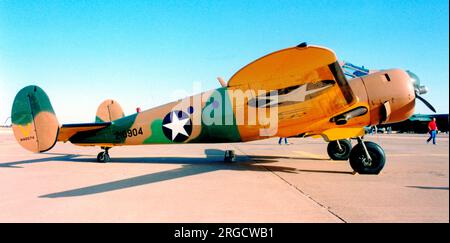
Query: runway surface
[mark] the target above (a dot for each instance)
(190, 183)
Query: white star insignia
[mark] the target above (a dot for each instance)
(299, 94)
(177, 126)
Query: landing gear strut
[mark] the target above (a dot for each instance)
(367, 158)
(103, 156)
(339, 149)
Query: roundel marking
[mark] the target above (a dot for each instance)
(177, 126)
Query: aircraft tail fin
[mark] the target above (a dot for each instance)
(109, 110)
(34, 122)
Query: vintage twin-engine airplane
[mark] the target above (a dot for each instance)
(298, 91)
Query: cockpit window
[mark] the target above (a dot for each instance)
(353, 71)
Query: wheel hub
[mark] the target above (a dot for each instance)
(365, 161)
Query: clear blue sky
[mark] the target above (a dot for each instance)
(138, 52)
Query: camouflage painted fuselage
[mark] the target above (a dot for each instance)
(286, 93)
(147, 127)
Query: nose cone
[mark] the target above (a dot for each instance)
(415, 80)
(391, 96)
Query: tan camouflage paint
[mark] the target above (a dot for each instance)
(109, 110)
(306, 65)
(41, 139)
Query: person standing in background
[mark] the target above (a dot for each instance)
(432, 130)
(281, 139)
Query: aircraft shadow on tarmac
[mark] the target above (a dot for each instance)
(429, 187)
(61, 157)
(190, 166)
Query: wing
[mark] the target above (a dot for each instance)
(292, 67)
(309, 86)
(66, 131)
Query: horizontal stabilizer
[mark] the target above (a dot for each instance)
(68, 130)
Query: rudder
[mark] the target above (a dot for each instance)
(34, 122)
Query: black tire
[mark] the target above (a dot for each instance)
(335, 153)
(103, 157)
(107, 158)
(358, 159)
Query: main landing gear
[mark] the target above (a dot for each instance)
(103, 156)
(339, 149)
(365, 157)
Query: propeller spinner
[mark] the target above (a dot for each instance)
(419, 89)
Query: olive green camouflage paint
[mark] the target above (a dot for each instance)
(219, 133)
(110, 134)
(29, 102)
(98, 119)
(209, 133)
(157, 136)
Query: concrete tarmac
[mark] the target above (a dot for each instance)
(191, 183)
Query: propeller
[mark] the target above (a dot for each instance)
(420, 89)
(425, 102)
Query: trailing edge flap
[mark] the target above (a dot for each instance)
(68, 130)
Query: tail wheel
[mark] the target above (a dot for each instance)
(363, 165)
(339, 151)
(103, 157)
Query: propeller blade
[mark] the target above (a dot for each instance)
(426, 103)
